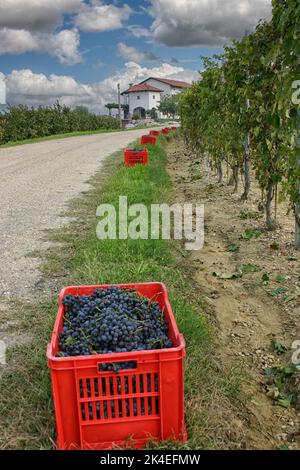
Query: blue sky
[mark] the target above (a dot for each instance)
(77, 50)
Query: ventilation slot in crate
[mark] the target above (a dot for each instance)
(119, 397)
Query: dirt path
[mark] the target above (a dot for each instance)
(247, 312)
(36, 181)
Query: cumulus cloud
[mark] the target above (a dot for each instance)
(138, 32)
(203, 22)
(63, 45)
(97, 16)
(31, 26)
(16, 41)
(27, 87)
(36, 25)
(132, 54)
(35, 15)
(38, 86)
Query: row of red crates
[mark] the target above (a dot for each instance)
(151, 138)
(134, 157)
(98, 409)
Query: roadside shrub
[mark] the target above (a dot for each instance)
(1, 130)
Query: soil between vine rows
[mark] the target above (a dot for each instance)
(246, 312)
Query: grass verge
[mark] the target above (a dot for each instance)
(26, 413)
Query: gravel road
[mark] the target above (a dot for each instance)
(36, 181)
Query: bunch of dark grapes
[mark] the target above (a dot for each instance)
(112, 320)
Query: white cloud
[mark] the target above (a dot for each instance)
(63, 45)
(205, 22)
(35, 15)
(133, 54)
(35, 25)
(138, 32)
(31, 25)
(29, 84)
(16, 41)
(97, 17)
(26, 87)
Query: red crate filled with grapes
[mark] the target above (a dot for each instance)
(155, 133)
(134, 157)
(116, 360)
(148, 140)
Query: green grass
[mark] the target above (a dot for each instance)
(26, 413)
(65, 136)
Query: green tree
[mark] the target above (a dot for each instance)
(22, 122)
(170, 105)
(111, 106)
(152, 113)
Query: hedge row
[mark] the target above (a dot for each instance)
(22, 122)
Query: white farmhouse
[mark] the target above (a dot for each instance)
(148, 94)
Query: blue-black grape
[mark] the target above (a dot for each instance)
(112, 320)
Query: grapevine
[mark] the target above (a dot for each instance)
(242, 111)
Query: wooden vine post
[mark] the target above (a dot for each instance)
(247, 160)
(297, 231)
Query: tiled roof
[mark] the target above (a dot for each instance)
(175, 83)
(141, 87)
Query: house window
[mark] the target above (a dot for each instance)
(154, 97)
(138, 97)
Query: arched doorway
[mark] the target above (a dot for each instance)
(141, 112)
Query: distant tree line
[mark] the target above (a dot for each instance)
(22, 122)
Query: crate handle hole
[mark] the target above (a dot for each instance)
(116, 366)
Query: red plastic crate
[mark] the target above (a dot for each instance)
(148, 139)
(155, 133)
(134, 157)
(166, 130)
(148, 399)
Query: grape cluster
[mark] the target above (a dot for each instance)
(112, 320)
